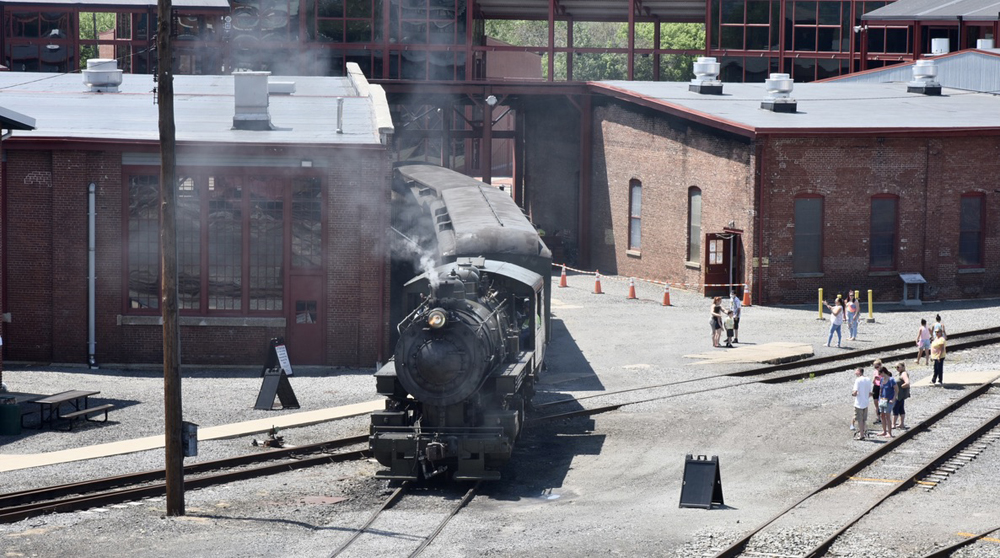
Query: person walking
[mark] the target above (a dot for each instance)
(736, 305)
(837, 312)
(716, 320)
(853, 315)
(938, 326)
(937, 355)
(899, 410)
(887, 398)
(862, 390)
(924, 342)
(877, 388)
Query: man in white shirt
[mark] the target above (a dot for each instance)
(862, 391)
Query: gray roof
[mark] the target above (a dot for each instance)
(830, 107)
(970, 70)
(12, 120)
(923, 10)
(203, 110)
(214, 5)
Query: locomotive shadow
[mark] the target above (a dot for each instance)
(566, 367)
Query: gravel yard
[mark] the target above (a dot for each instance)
(605, 485)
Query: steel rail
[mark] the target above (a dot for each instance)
(737, 547)
(948, 550)
(469, 495)
(17, 513)
(389, 502)
(52, 492)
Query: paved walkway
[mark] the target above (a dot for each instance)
(13, 462)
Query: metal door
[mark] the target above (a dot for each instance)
(723, 254)
(305, 336)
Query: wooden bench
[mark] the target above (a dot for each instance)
(50, 407)
(71, 417)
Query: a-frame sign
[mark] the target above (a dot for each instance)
(702, 486)
(275, 372)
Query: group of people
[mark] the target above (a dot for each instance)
(888, 396)
(842, 310)
(728, 320)
(931, 345)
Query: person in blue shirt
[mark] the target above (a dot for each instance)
(886, 400)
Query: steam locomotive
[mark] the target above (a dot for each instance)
(472, 342)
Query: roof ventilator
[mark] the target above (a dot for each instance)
(102, 75)
(924, 74)
(250, 92)
(779, 89)
(706, 77)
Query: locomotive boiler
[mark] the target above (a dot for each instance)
(472, 342)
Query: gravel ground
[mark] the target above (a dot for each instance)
(607, 485)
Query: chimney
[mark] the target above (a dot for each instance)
(250, 90)
(706, 77)
(924, 72)
(779, 88)
(102, 75)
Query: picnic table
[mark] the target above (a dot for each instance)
(50, 408)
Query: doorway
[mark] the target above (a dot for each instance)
(724, 263)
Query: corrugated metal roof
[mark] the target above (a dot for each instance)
(219, 5)
(918, 10)
(830, 107)
(203, 110)
(970, 70)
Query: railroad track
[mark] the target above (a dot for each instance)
(968, 422)
(382, 535)
(771, 374)
(16, 506)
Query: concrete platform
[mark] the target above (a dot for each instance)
(13, 462)
(957, 378)
(765, 353)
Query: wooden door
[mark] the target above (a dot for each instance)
(305, 336)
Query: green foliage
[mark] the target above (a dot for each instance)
(604, 35)
(92, 24)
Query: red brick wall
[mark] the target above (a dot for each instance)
(927, 174)
(46, 271)
(668, 156)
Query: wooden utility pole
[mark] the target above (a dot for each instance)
(168, 264)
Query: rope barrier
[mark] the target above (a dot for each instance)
(651, 281)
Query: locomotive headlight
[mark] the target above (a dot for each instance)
(437, 318)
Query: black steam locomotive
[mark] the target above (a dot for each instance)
(473, 340)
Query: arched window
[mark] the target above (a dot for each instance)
(971, 230)
(884, 232)
(634, 214)
(807, 250)
(694, 224)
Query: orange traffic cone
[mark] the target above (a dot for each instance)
(597, 283)
(746, 295)
(562, 278)
(631, 288)
(666, 295)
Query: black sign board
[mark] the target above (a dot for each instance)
(275, 380)
(702, 486)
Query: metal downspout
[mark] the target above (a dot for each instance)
(91, 275)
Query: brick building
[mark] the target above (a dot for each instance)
(863, 182)
(280, 230)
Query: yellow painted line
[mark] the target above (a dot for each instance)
(10, 462)
(987, 539)
(890, 481)
(928, 483)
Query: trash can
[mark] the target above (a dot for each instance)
(10, 417)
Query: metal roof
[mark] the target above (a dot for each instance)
(969, 70)
(12, 120)
(203, 110)
(219, 5)
(829, 107)
(936, 10)
(593, 10)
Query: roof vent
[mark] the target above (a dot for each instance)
(940, 46)
(984, 44)
(778, 99)
(706, 77)
(250, 90)
(102, 75)
(924, 72)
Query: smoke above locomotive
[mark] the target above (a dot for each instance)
(472, 338)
